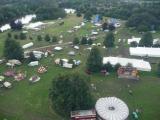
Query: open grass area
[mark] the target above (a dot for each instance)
(31, 102)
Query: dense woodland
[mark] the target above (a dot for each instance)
(13, 9)
(143, 16)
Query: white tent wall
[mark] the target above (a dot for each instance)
(27, 45)
(144, 51)
(139, 64)
(133, 39)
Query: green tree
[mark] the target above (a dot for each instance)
(84, 40)
(134, 44)
(111, 27)
(54, 39)
(88, 15)
(47, 38)
(39, 38)
(94, 61)
(70, 92)
(90, 41)
(105, 26)
(109, 67)
(16, 36)
(12, 50)
(143, 28)
(109, 40)
(22, 36)
(9, 35)
(76, 41)
(78, 14)
(32, 57)
(116, 67)
(147, 40)
(16, 25)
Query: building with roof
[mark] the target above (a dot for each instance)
(136, 63)
(144, 51)
(134, 39)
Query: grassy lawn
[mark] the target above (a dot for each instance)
(31, 102)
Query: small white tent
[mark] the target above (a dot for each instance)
(67, 65)
(34, 63)
(139, 64)
(27, 45)
(70, 11)
(58, 48)
(134, 39)
(34, 26)
(26, 19)
(5, 27)
(144, 51)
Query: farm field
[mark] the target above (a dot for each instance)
(31, 101)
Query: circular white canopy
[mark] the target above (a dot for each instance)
(112, 108)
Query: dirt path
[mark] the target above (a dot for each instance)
(49, 46)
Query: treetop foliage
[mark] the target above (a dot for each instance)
(70, 92)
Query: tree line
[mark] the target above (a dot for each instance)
(141, 17)
(45, 10)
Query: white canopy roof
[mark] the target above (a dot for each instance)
(134, 39)
(112, 108)
(7, 84)
(77, 27)
(58, 48)
(27, 45)
(27, 19)
(34, 26)
(139, 64)
(70, 11)
(144, 51)
(94, 33)
(5, 27)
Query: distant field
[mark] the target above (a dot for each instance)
(31, 102)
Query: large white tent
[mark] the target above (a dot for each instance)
(26, 19)
(5, 27)
(138, 39)
(134, 39)
(144, 51)
(70, 11)
(34, 26)
(139, 64)
(111, 108)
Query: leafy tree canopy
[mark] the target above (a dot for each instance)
(70, 92)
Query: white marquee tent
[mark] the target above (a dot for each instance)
(139, 64)
(34, 26)
(70, 11)
(26, 19)
(111, 108)
(5, 27)
(134, 39)
(137, 40)
(144, 51)
(58, 48)
(28, 45)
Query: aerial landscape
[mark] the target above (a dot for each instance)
(79, 59)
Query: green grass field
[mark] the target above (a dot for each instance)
(31, 102)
